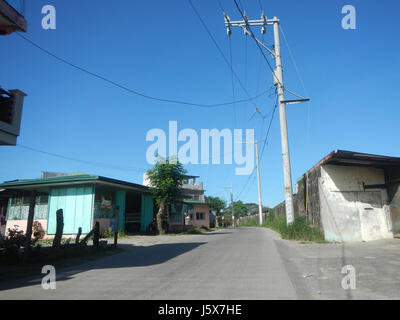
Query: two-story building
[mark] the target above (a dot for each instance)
(190, 210)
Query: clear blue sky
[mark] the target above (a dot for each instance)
(160, 48)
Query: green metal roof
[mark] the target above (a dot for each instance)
(71, 178)
(59, 179)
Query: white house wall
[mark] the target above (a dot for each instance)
(348, 213)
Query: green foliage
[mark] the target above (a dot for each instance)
(240, 209)
(298, 230)
(109, 233)
(216, 204)
(166, 178)
(250, 223)
(12, 243)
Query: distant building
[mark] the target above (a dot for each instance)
(190, 210)
(351, 196)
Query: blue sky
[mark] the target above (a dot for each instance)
(161, 49)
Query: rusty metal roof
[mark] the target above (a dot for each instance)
(351, 158)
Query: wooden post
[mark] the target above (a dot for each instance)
(116, 227)
(59, 228)
(96, 234)
(28, 234)
(78, 235)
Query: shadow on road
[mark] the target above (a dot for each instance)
(134, 256)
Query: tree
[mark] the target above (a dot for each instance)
(240, 209)
(166, 178)
(216, 204)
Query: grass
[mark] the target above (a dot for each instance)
(299, 230)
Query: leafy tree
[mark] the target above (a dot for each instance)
(240, 209)
(216, 204)
(166, 178)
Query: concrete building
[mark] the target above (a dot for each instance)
(10, 101)
(84, 199)
(351, 196)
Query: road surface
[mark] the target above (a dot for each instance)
(243, 263)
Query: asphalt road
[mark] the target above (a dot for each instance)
(228, 264)
(244, 263)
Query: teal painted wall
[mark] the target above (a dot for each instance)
(147, 212)
(120, 197)
(77, 205)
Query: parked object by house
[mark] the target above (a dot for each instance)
(351, 196)
(84, 198)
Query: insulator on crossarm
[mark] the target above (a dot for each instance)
(262, 30)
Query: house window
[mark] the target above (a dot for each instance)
(199, 215)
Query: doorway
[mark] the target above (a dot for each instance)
(133, 212)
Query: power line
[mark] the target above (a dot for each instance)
(92, 163)
(300, 79)
(269, 127)
(220, 5)
(220, 51)
(259, 3)
(134, 91)
(233, 84)
(258, 45)
(264, 145)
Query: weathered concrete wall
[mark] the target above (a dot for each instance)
(279, 210)
(395, 209)
(393, 181)
(305, 202)
(348, 213)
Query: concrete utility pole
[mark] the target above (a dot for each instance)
(260, 219)
(278, 81)
(287, 176)
(258, 183)
(233, 211)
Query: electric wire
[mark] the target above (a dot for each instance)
(233, 84)
(220, 50)
(263, 148)
(258, 45)
(116, 84)
(92, 163)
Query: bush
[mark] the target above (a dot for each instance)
(109, 233)
(251, 222)
(12, 243)
(298, 230)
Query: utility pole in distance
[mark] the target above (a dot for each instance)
(260, 219)
(233, 211)
(258, 183)
(245, 24)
